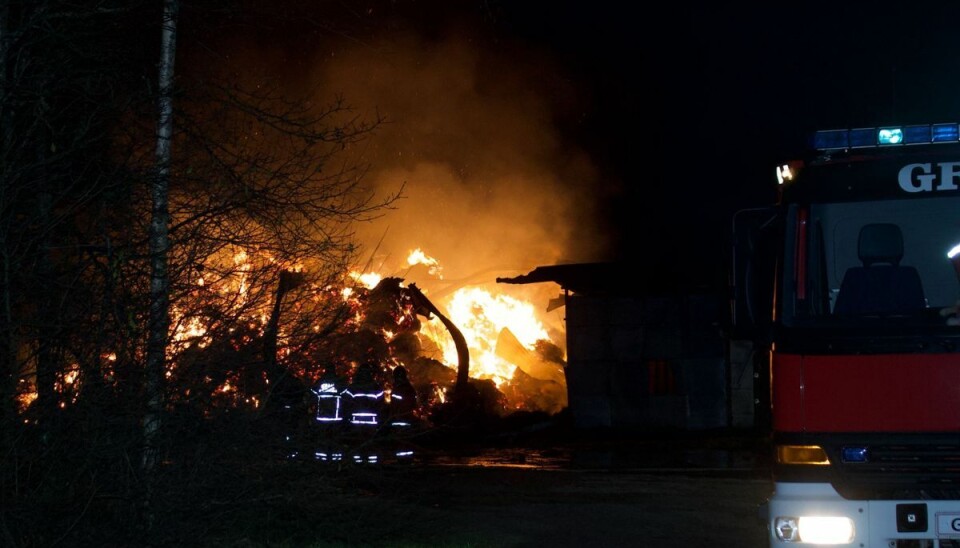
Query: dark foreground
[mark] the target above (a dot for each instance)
(642, 493)
(502, 507)
(509, 484)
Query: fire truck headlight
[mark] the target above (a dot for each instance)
(802, 454)
(814, 529)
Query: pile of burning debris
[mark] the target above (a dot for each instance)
(384, 383)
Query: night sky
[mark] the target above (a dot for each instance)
(539, 132)
(695, 105)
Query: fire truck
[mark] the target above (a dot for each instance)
(847, 290)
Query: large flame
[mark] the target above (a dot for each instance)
(481, 313)
(481, 316)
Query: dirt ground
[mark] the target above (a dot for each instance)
(655, 496)
(499, 507)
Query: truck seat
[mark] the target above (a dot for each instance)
(882, 285)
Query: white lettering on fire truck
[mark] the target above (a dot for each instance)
(929, 177)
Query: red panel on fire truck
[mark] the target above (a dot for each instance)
(867, 393)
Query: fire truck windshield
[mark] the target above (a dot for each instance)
(871, 264)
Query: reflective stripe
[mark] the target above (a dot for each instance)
(364, 418)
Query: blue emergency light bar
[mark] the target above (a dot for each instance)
(838, 139)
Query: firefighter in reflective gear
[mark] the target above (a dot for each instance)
(402, 410)
(363, 398)
(363, 411)
(329, 416)
(328, 392)
(403, 419)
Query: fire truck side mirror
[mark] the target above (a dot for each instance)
(753, 273)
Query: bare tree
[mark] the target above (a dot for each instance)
(159, 244)
(140, 261)
(63, 82)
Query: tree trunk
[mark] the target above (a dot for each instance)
(285, 392)
(45, 323)
(159, 320)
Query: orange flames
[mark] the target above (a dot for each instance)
(503, 333)
(500, 330)
(481, 316)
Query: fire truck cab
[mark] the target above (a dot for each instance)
(848, 288)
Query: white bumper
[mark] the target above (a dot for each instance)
(875, 523)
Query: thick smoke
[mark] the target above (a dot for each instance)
(477, 133)
(490, 184)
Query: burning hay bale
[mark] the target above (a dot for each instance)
(532, 363)
(539, 382)
(390, 332)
